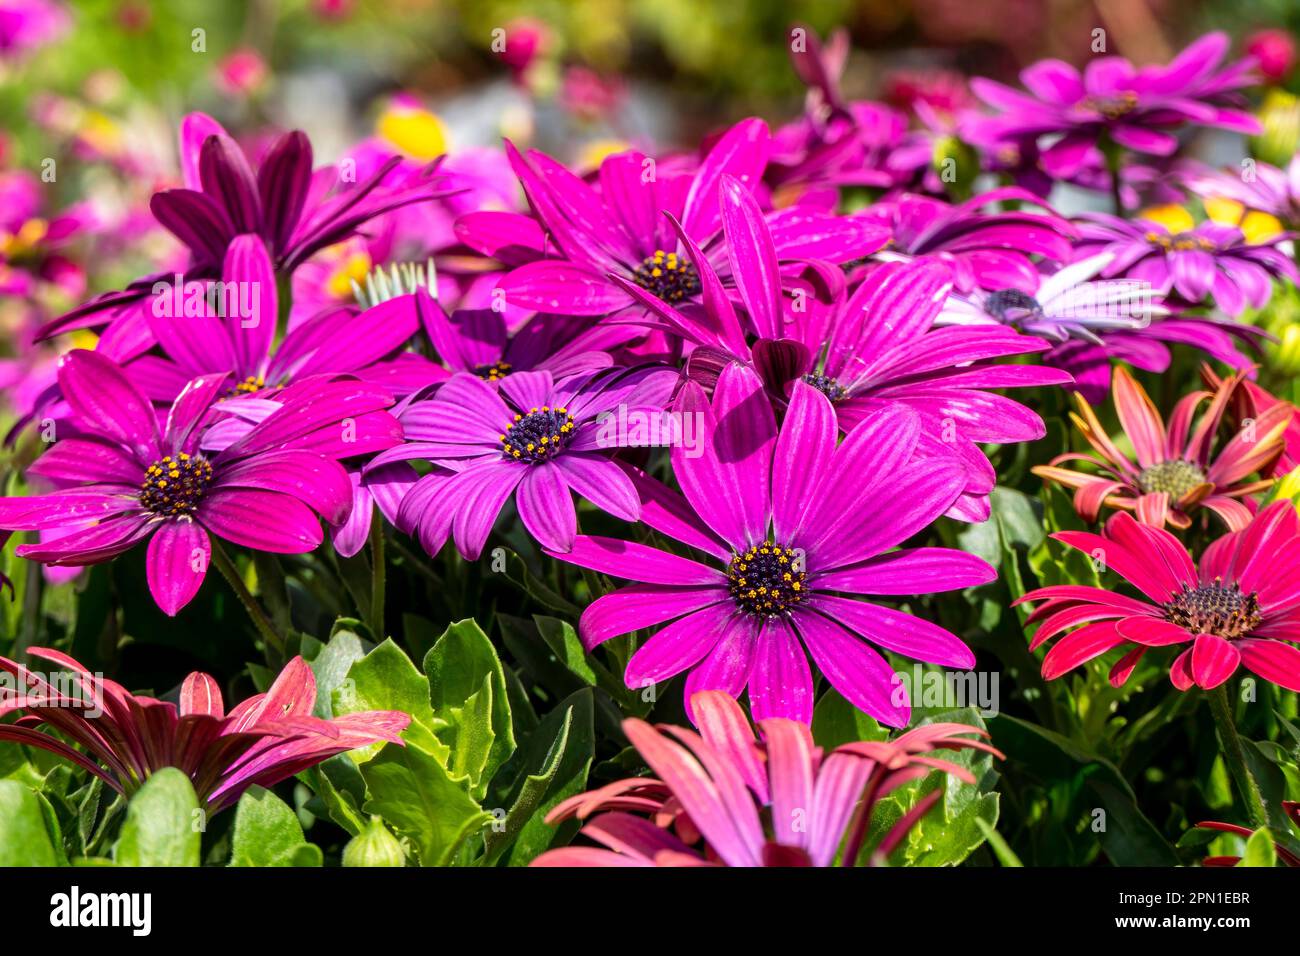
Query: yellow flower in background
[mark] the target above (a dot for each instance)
(1256, 226)
(592, 154)
(1174, 218)
(352, 266)
(414, 131)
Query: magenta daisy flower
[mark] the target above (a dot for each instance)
(125, 738)
(589, 239)
(723, 797)
(1239, 607)
(339, 340)
(785, 538)
(137, 483)
(1210, 261)
(1138, 109)
(985, 250)
(296, 211)
(530, 438)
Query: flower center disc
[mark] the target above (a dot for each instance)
(494, 372)
(175, 486)
(766, 580)
(1215, 609)
(1176, 477)
(538, 436)
(1112, 107)
(1183, 242)
(827, 386)
(249, 386)
(1006, 305)
(667, 276)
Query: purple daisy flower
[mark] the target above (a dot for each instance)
(296, 211)
(1209, 261)
(1093, 322)
(338, 340)
(786, 537)
(588, 239)
(137, 482)
(479, 341)
(987, 250)
(884, 349)
(529, 437)
(1135, 108)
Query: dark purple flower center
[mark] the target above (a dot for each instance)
(538, 436)
(1114, 106)
(766, 580)
(494, 372)
(1182, 242)
(1216, 608)
(1006, 305)
(827, 386)
(1176, 477)
(667, 276)
(174, 486)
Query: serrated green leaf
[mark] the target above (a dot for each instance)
(385, 679)
(417, 797)
(467, 696)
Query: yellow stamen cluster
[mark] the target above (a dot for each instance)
(1182, 242)
(494, 372)
(1113, 107)
(539, 435)
(249, 386)
(668, 276)
(766, 580)
(174, 486)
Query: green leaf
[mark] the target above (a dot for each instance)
(163, 824)
(385, 679)
(467, 695)
(563, 641)
(1006, 856)
(330, 668)
(25, 836)
(951, 830)
(414, 794)
(267, 833)
(1259, 850)
(565, 738)
(1127, 836)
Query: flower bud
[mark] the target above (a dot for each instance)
(374, 846)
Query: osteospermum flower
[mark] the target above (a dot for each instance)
(1266, 190)
(883, 349)
(224, 340)
(296, 211)
(125, 738)
(786, 533)
(530, 438)
(1175, 470)
(1240, 606)
(1138, 109)
(725, 798)
(137, 483)
(1209, 260)
(984, 250)
(583, 240)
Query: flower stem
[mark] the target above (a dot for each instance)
(1235, 756)
(261, 621)
(377, 578)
